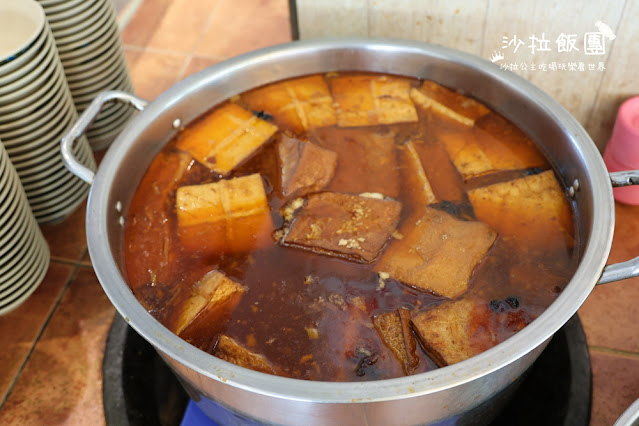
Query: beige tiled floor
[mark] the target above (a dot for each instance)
(168, 40)
(50, 365)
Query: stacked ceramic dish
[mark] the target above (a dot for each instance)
(89, 45)
(24, 253)
(36, 109)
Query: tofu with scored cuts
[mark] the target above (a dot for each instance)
(229, 215)
(225, 138)
(367, 100)
(298, 104)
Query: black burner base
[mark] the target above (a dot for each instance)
(140, 389)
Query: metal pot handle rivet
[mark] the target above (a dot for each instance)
(80, 127)
(630, 268)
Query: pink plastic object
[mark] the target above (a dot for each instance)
(622, 152)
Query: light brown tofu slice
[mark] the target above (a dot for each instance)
(231, 215)
(225, 138)
(352, 227)
(438, 253)
(299, 104)
(395, 331)
(231, 351)
(447, 103)
(416, 183)
(366, 161)
(368, 100)
(457, 330)
(212, 300)
(477, 151)
(305, 166)
(532, 209)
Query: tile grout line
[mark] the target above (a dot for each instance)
(613, 351)
(135, 48)
(209, 22)
(142, 49)
(126, 15)
(63, 261)
(40, 333)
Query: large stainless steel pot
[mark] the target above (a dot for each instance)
(457, 392)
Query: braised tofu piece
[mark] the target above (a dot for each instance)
(366, 161)
(395, 331)
(445, 181)
(532, 209)
(299, 104)
(437, 253)
(305, 166)
(457, 330)
(225, 138)
(416, 183)
(447, 103)
(445, 332)
(211, 301)
(231, 215)
(367, 100)
(352, 227)
(475, 152)
(231, 351)
(481, 149)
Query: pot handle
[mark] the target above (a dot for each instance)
(630, 268)
(85, 120)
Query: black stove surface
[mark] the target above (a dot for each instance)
(140, 389)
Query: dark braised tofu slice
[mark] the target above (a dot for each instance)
(231, 215)
(225, 138)
(437, 253)
(417, 185)
(366, 161)
(348, 226)
(305, 166)
(447, 103)
(395, 330)
(445, 332)
(532, 209)
(210, 303)
(367, 100)
(299, 104)
(457, 330)
(231, 351)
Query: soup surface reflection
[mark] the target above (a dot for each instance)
(348, 227)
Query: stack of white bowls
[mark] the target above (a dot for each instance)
(36, 109)
(89, 45)
(24, 253)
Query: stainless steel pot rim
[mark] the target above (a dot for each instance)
(540, 330)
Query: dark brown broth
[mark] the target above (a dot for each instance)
(340, 297)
